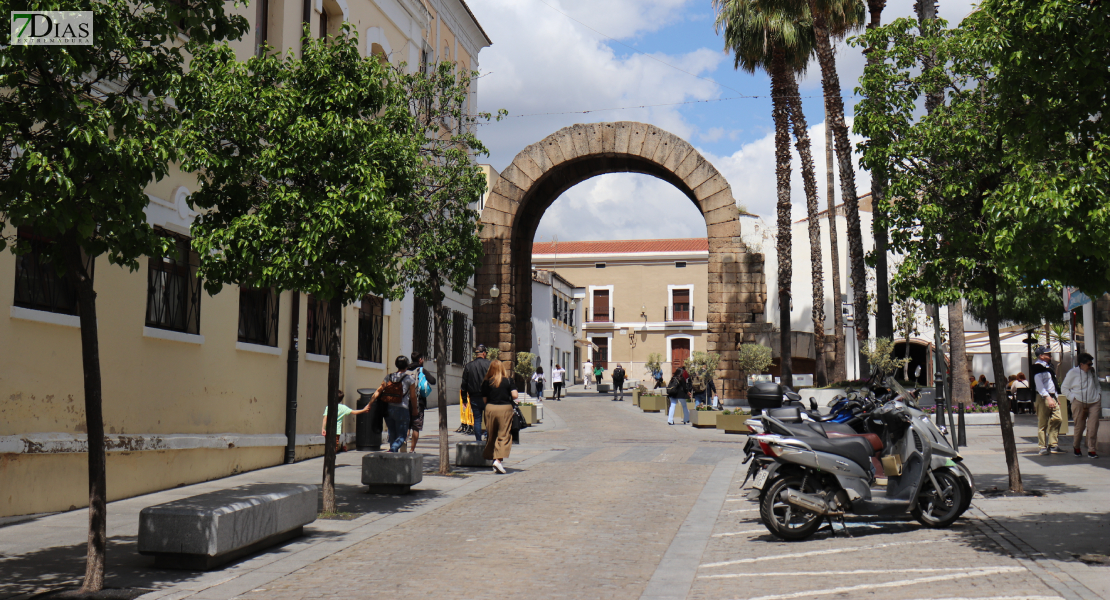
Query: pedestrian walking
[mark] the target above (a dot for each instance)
(474, 373)
(499, 394)
(587, 372)
(658, 375)
(618, 383)
(539, 378)
(1081, 387)
(1049, 414)
(558, 378)
(697, 385)
(599, 373)
(424, 383)
(342, 411)
(398, 392)
(678, 390)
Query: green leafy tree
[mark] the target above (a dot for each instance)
(879, 353)
(310, 165)
(523, 365)
(84, 130)
(907, 319)
(752, 359)
(654, 363)
(443, 249)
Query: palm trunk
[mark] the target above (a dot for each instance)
(335, 308)
(1000, 397)
(839, 370)
(779, 93)
(97, 549)
(961, 388)
(441, 389)
(834, 104)
(809, 182)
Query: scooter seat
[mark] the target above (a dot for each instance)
(853, 447)
(788, 414)
(876, 443)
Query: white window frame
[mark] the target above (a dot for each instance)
(590, 293)
(679, 336)
(670, 300)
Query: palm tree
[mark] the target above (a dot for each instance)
(771, 40)
(884, 314)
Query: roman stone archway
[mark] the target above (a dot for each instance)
(541, 172)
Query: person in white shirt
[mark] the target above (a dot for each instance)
(587, 372)
(1049, 413)
(539, 378)
(1082, 389)
(557, 378)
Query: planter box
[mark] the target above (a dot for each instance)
(529, 413)
(604, 388)
(635, 397)
(733, 423)
(649, 403)
(704, 418)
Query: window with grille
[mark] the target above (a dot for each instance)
(318, 326)
(601, 306)
(422, 327)
(680, 305)
(460, 338)
(370, 329)
(173, 289)
(258, 315)
(37, 283)
(601, 355)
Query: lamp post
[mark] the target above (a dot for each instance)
(493, 294)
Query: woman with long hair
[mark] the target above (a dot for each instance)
(500, 393)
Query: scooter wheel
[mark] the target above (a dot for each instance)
(789, 522)
(940, 508)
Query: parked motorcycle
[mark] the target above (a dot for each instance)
(824, 472)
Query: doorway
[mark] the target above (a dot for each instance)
(680, 351)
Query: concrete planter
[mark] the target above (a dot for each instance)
(979, 418)
(649, 403)
(733, 423)
(635, 397)
(704, 419)
(604, 388)
(529, 412)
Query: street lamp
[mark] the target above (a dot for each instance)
(493, 294)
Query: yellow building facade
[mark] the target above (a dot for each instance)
(195, 385)
(638, 297)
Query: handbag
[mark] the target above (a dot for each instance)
(518, 419)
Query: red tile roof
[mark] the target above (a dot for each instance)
(623, 246)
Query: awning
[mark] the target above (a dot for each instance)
(586, 344)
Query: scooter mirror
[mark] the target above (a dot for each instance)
(917, 372)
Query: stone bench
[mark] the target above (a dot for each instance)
(469, 454)
(209, 530)
(392, 472)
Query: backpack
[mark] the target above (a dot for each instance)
(393, 391)
(618, 375)
(675, 387)
(699, 384)
(423, 388)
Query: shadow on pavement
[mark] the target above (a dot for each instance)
(988, 482)
(1065, 533)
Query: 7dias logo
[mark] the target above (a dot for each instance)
(52, 28)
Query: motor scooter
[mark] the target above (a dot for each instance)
(822, 474)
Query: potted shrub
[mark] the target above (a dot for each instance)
(528, 409)
(752, 359)
(653, 402)
(523, 369)
(704, 417)
(733, 421)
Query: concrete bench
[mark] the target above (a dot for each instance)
(469, 454)
(392, 472)
(209, 530)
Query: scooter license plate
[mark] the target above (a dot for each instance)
(760, 479)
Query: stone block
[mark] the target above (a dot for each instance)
(637, 133)
(554, 151)
(539, 156)
(715, 194)
(679, 151)
(528, 166)
(514, 175)
(565, 139)
(608, 138)
(624, 132)
(469, 454)
(652, 141)
(581, 136)
(719, 215)
(510, 190)
(702, 173)
(392, 472)
(209, 530)
(593, 137)
(728, 229)
(689, 164)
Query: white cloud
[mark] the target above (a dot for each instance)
(542, 62)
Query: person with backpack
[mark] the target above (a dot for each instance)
(618, 383)
(398, 393)
(658, 376)
(474, 373)
(539, 378)
(698, 386)
(424, 383)
(599, 373)
(678, 390)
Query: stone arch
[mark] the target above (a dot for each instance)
(540, 173)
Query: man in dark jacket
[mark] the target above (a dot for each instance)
(618, 383)
(473, 374)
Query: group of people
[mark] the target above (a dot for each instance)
(558, 379)
(1081, 388)
(683, 386)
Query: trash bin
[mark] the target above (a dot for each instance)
(367, 437)
(764, 394)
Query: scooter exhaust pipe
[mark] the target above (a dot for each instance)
(810, 502)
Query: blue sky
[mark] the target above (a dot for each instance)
(543, 61)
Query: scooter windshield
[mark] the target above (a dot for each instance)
(900, 392)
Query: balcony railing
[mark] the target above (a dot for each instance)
(679, 312)
(597, 317)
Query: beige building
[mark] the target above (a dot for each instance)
(196, 386)
(638, 297)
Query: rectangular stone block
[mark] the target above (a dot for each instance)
(514, 175)
(637, 134)
(688, 165)
(580, 135)
(392, 472)
(593, 137)
(528, 166)
(539, 156)
(624, 133)
(608, 138)
(469, 454)
(714, 200)
(702, 173)
(205, 531)
(724, 229)
(719, 215)
(651, 144)
(554, 151)
(678, 154)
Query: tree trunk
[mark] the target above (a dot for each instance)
(97, 549)
(441, 389)
(779, 93)
(809, 182)
(884, 310)
(834, 104)
(839, 370)
(961, 388)
(335, 321)
(1000, 397)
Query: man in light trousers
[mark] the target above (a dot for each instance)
(1083, 390)
(1049, 412)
